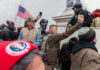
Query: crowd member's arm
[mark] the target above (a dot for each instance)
(38, 16)
(72, 22)
(20, 35)
(60, 36)
(38, 39)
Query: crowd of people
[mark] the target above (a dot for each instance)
(29, 48)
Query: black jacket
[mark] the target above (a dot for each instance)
(1, 31)
(8, 33)
(87, 18)
(65, 57)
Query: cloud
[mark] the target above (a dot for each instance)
(50, 8)
(91, 5)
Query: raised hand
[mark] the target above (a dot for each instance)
(80, 19)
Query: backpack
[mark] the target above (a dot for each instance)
(63, 51)
(65, 58)
(43, 44)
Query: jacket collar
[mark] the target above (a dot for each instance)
(78, 11)
(81, 45)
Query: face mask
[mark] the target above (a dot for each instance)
(76, 12)
(43, 27)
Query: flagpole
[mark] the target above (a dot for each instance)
(15, 18)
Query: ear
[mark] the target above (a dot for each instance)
(50, 29)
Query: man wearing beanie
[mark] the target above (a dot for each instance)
(85, 55)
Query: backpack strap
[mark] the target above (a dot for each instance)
(46, 44)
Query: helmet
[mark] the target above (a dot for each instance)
(43, 21)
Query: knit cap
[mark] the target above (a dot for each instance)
(86, 34)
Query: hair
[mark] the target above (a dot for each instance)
(52, 26)
(25, 24)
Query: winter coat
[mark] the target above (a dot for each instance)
(8, 34)
(53, 46)
(1, 31)
(85, 57)
(65, 58)
(87, 18)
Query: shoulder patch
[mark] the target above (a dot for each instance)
(17, 48)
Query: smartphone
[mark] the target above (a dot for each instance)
(40, 13)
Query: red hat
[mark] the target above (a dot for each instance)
(9, 21)
(13, 51)
(21, 28)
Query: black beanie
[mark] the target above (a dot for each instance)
(86, 34)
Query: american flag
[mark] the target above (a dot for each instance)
(23, 13)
